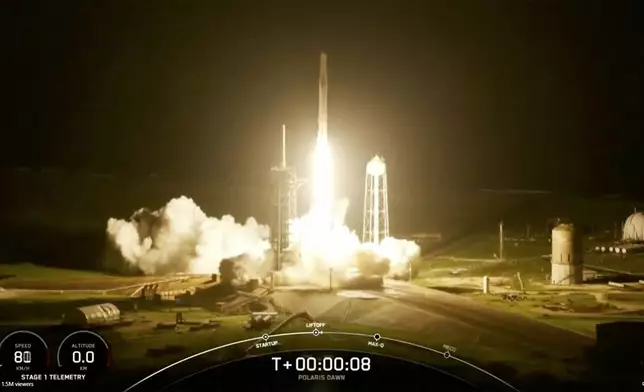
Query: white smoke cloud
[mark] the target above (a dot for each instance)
(317, 250)
(399, 253)
(180, 237)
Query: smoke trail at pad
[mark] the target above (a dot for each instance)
(180, 238)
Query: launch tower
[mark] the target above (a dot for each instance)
(286, 186)
(375, 225)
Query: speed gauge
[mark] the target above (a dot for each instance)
(22, 353)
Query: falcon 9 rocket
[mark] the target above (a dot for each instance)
(323, 162)
(322, 110)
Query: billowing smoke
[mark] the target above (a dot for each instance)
(399, 253)
(318, 251)
(181, 238)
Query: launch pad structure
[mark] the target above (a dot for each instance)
(286, 181)
(286, 187)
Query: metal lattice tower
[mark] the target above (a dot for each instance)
(375, 225)
(286, 186)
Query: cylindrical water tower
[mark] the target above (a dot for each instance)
(567, 256)
(375, 227)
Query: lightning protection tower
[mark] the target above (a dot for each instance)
(286, 186)
(376, 209)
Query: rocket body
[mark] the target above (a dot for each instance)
(322, 108)
(322, 208)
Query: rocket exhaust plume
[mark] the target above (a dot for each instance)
(322, 240)
(181, 238)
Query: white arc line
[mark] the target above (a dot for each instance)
(209, 351)
(329, 333)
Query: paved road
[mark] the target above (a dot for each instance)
(488, 323)
(452, 319)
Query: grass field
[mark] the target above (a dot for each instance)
(143, 345)
(31, 272)
(132, 346)
(30, 276)
(459, 269)
(578, 312)
(633, 263)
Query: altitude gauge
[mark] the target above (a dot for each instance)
(23, 352)
(83, 352)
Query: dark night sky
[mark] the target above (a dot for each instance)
(521, 94)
